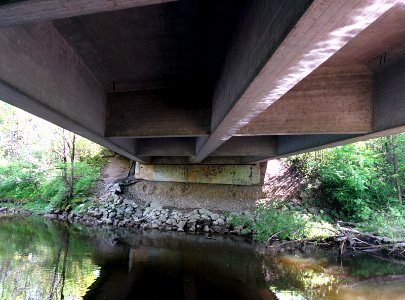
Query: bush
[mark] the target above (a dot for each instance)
(53, 189)
(354, 179)
(390, 223)
(275, 218)
(19, 180)
(284, 223)
(24, 181)
(86, 177)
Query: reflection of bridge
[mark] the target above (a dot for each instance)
(211, 82)
(156, 265)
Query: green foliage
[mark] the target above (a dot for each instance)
(389, 223)
(284, 223)
(245, 220)
(87, 175)
(53, 189)
(35, 161)
(24, 182)
(19, 180)
(355, 179)
(276, 218)
(37, 206)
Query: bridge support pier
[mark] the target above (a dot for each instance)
(249, 174)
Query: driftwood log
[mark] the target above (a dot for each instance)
(347, 239)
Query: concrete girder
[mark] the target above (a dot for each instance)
(163, 94)
(330, 100)
(183, 147)
(323, 29)
(389, 97)
(152, 114)
(248, 146)
(165, 147)
(388, 116)
(40, 73)
(21, 12)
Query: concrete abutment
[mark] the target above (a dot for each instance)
(248, 174)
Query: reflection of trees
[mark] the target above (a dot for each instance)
(58, 278)
(292, 275)
(319, 276)
(43, 260)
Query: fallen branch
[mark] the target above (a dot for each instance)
(348, 238)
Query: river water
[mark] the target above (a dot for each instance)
(42, 259)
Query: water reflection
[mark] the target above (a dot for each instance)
(320, 275)
(40, 259)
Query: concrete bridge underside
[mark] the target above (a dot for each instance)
(208, 82)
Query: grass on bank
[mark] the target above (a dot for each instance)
(278, 218)
(39, 188)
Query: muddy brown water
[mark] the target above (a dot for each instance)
(43, 259)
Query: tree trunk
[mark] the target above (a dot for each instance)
(396, 173)
(64, 159)
(65, 243)
(72, 161)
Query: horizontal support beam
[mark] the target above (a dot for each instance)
(324, 28)
(154, 114)
(335, 101)
(165, 147)
(20, 12)
(40, 73)
(307, 143)
(211, 160)
(181, 147)
(248, 146)
(389, 115)
(292, 144)
(213, 174)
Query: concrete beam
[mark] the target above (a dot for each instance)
(389, 97)
(388, 115)
(153, 114)
(20, 12)
(214, 174)
(235, 147)
(211, 160)
(334, 101)
(324, 28)
(248, 146)
(165, 147)
(294, 144)
(40, 73)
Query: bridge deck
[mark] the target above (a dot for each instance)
(214, 82)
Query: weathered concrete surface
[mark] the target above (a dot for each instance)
(207, 82)
(302, 51)
(42, 74)
(390, 97)
(154, 113)
(20, 12)
(332, 101)
(218, 174)
(222, 197)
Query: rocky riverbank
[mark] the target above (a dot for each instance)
(115, 210)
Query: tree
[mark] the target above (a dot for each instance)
(65, 148)
(396, 169)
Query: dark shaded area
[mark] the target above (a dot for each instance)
(178, 45)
